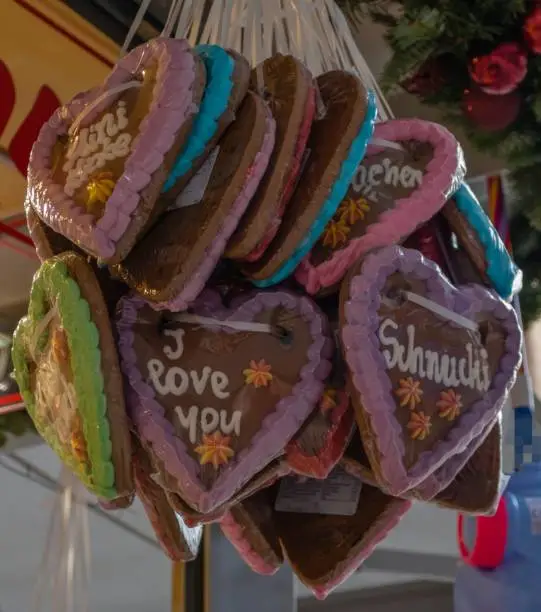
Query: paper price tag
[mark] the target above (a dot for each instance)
(195, 190)
(336, 495)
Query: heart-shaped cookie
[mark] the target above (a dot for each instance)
(325, 549)
(216, 399)
(409, 170)
(98, 165)
(178, 541)
(320, 444)
(172, 264)
(67, 369)
(476, 235)
(250, 527)
(228, 78)
(430, 364)
(288, 88)
(337, 144)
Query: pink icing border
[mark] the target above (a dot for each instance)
(172, 104)
(294, 170)
(197, 282)
(360, 323)
(443, 176)
(157, 432)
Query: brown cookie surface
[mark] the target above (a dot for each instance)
(330, 140)
(286, 87)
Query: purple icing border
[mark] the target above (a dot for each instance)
(189, 292)
(172, 104)
(277, 429)
(443, 175)
(367, 364)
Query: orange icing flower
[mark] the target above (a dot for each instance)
(258, 374)
(335, 233)
(215, 449)
(409, 393)
(352, 210)
(60, 348)
(419, 425)
(78, 446)
(98, 191)
(328, 400)
(449, 405)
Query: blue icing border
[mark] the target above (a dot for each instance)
(220, 67)
(337, 194)
(501, 269)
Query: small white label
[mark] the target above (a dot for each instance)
(534, 506)
(195, 190)
(336, 495)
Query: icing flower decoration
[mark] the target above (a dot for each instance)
(99, 190)
(258, 374)
(215, 449)
(449, 405)
(419, 425)
(60, 348)
(328, 400)
(335, 233)
(78, 446)
(409, 392)
(501, 71)
(353, 210)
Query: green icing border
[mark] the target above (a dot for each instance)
(53, 283)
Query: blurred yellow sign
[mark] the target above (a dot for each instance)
(47, 55)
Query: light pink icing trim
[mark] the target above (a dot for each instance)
(197, 282)
(235, 534)
(443, 176)
(172, 105)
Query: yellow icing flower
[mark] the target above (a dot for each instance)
(352, 210)
(419, 425)
(99, 190)
(449, 405)
(335, 233)
(215, 450)
(328, 400)
(258, 374)
(409, 392)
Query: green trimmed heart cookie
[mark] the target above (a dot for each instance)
(66, 366)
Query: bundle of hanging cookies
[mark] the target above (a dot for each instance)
(260, 307)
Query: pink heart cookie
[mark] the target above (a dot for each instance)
(216, 401)
(406, 176)
(430, 364)
(98, 166)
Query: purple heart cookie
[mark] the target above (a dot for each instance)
(409, 170)
(430, 364)
(216, 399)
(99, 163)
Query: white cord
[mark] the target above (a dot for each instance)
(263, 328)
(138, 20)
(441, 311)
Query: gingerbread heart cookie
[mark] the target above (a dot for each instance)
(216, 399)
(430, 364)
(67, 370)
(485, 251)
(98, 165)
(337, 144)
(409, 170)
(171, 265)
(228, 77)
(288, 88)
(328, 528)
(250, 527)
(320, 444)
(178, 541)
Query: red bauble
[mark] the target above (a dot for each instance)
(428, 80)
(501, 71)
(491, 113)
(532, 30)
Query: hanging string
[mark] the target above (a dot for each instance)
(137, 21)
(262, 328)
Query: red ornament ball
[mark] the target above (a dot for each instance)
(500, 71)
(532, 30)
(491, 113)
(428, 80)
